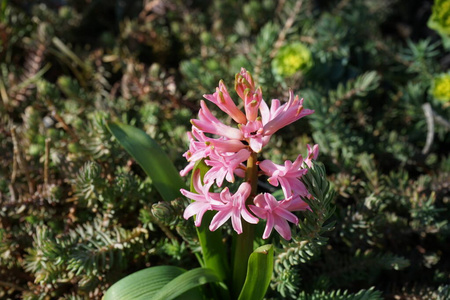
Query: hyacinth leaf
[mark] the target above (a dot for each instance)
(259, 273)
(213, 249)
(186, 282)
(151, 158)
(147, 283)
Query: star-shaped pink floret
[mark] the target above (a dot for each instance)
(202, 200)
(279, 116)
(287, 176)
(198, 149)
(276, 213)
(253, 133)
(232, 206)
(225, 166)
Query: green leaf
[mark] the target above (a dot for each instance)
(151, 158)
(143, 284)
(259, 272)
(186, 282)
(161, 283)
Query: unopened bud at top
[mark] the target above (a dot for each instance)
(243, 81)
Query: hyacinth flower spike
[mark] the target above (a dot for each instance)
(232, 146)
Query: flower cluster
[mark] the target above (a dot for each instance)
(226, 149)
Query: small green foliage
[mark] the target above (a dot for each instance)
(440, 20)
(292, 58)
(441, 87)
(370, 294)
(308, 240)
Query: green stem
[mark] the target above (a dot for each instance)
(244, 241)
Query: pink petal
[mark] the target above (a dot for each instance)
(265, 112)
(258, 211)
(226, 145)
(268, 167)
(299, 188)
(236, 222)
(269, 227)
(223, 100)
(256, 144)
(285, 186)
(252, 100)
(187, 169)
(286, 114)
(282, 227)
(295, 204)
(219, 219)
(248, 217)
(208, 123)
(287, 215)
(244, 190)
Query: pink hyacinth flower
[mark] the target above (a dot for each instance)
(198, 149)
(287, 176)
(232, 206)
(224, 167)
(206, 122)
(279, 116)
(276, 213)
(202, 200)
(253, 133)
(222, 99)
(312, 154)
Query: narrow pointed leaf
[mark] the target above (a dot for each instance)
(259, 272)
(185, 282)
(143, 284)
(151, 158)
